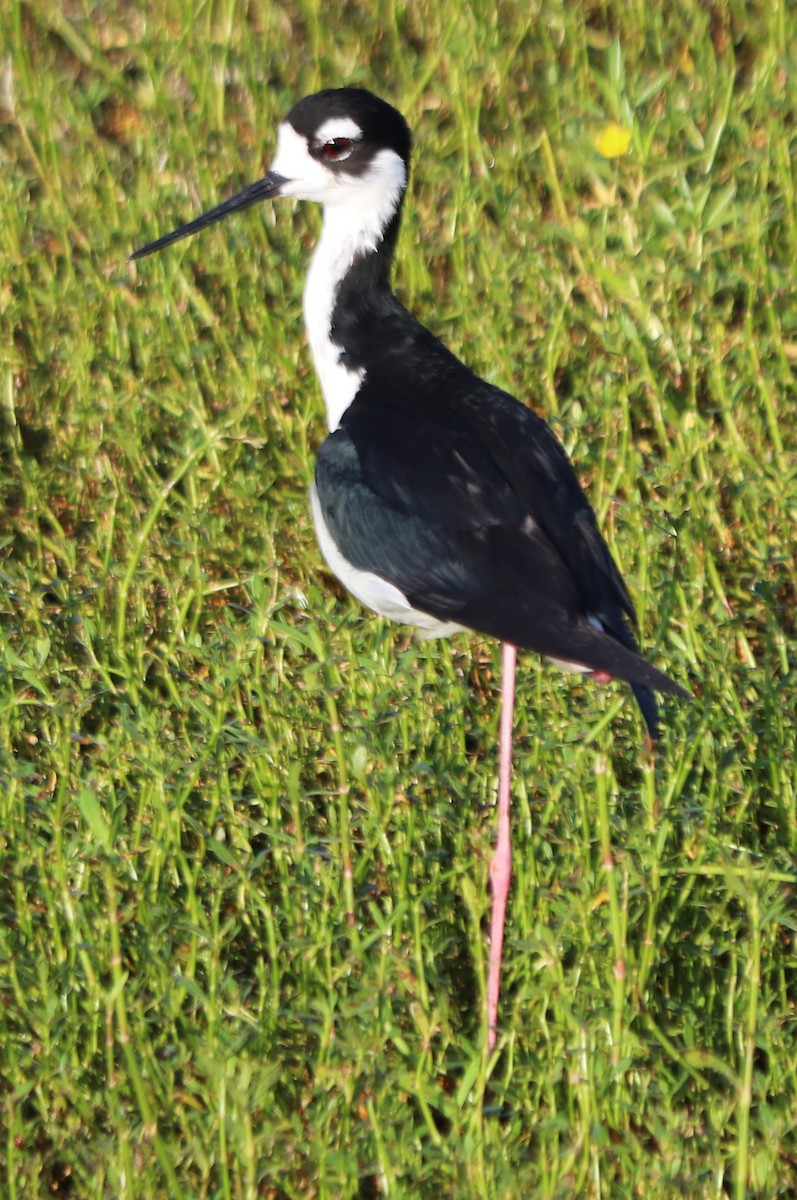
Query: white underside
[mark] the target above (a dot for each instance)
(376, 593)
(571, 667)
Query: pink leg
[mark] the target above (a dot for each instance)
(501, 863)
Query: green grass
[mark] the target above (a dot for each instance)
(244, 825)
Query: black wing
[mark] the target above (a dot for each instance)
(477, 516)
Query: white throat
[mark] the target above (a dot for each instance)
(356, 213)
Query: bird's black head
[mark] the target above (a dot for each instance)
(348, 127)
(344, 148)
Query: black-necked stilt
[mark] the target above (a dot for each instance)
(439, 500)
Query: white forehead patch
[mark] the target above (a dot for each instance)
(292, 160)
(338, 127)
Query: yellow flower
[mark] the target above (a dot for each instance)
(613, 140)
(685, 61)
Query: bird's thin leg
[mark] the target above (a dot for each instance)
(501, 863)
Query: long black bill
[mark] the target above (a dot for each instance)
(265, 189)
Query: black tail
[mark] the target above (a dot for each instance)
(615, 652)
(649, 709)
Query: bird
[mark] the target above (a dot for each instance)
(439, 500)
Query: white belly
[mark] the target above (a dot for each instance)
(376, 593)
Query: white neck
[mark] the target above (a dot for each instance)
(354, 223)
(333, 256)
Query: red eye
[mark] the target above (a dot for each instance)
(337, 149)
